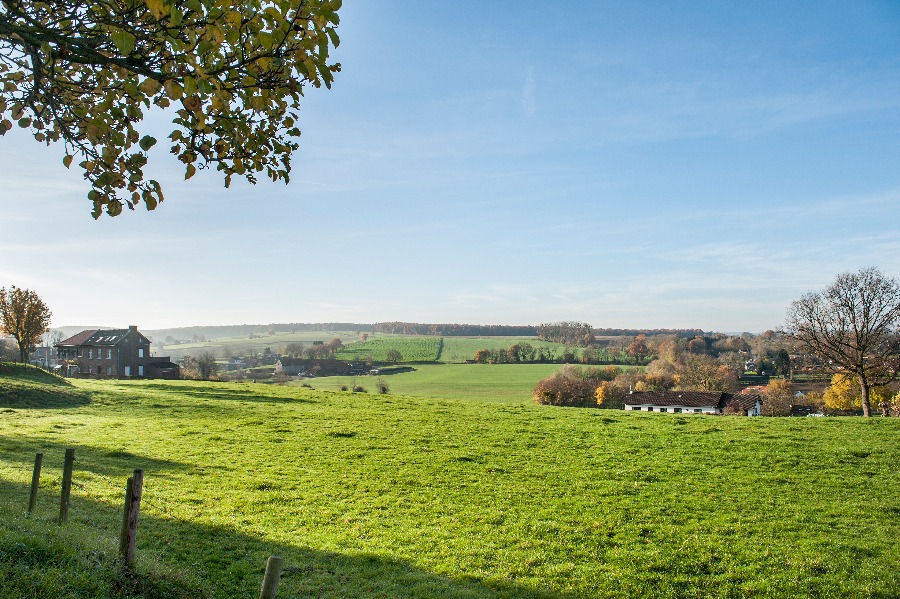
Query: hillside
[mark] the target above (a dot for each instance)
(391, 496)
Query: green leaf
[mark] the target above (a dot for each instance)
(124, 41)
(147, 142)
(189, 171)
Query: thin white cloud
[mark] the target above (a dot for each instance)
(528, 103)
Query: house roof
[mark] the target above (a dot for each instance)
(95, 337)
(78, 339)
(111, 337)
(744, 401)
(691, 399)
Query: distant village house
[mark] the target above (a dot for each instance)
(113, 353)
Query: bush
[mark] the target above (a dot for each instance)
(568, 387)
(345, 388)
(359, 389)
(382, 386)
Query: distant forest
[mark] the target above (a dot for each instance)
(396, 328)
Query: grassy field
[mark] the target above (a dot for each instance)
(459, 349)
(389, 496)
(412, 349)
(242, 346)
(504, 383)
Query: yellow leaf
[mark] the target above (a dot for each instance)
(157, 7)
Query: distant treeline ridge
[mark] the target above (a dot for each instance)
(397, 328)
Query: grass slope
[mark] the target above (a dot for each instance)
(390, 496)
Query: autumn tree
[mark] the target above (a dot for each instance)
(86, 73)
(24, 316)
(638, 349)
(700, 372)
(567, 387)
(777, 398)
(854, 327)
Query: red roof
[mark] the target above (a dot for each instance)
(78, 339)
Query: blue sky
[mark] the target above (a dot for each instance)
(626, 164)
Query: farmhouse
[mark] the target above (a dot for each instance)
(693, 402)
(116, 352)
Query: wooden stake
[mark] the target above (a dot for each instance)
(35, 482)
(128, 540)
(66, 485)
(272, 577)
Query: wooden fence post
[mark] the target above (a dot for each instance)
(272, 577)
(35, 482)
(128, 538)
(66, 485)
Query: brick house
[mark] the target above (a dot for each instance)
(116, 353)
(693, 402)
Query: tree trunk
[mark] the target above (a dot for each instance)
(864, 396)
(23, 353)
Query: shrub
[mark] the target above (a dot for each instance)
(344, 388)
(359, 389)
(566, 387)
(382, 386)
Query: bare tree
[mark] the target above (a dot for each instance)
(24, 316)
(854, 327)
(206, 365)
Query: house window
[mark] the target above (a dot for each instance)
(128, 371)
(90, 354)
(664, 409)
(649, 408)
(140, 371)
(698, 410)
(140, 352)
(109, 354)
(678, 410)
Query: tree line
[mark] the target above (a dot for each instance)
(456, 330)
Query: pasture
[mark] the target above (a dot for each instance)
(391, 496)
(412, 349)
(503, 383)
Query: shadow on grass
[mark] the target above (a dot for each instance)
(27, 387)
(184, 559)
(99, 460)
(212, 390)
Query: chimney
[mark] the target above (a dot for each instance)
(132, 327)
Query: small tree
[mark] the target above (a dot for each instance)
(394, 355)
(206, 365)
(24, 316)
(777, 398)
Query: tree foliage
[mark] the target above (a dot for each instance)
(86, 72)
(569, 386)
(24, 316)
(777, 398)
(854, 327)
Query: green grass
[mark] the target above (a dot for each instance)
(505, 383)
(412, 349)
(388, 496)
(460, 349)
